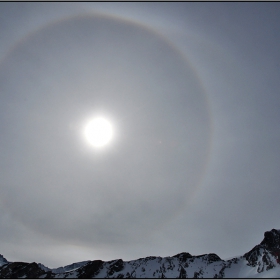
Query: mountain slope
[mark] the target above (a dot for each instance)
(263, 261)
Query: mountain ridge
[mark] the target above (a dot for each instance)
(262, 261)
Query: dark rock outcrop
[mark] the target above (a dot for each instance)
(182, 256)
(116, 266)
(90, 270)
(21, 270)
(3, 260)
(271, 239)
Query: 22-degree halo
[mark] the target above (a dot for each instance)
(98, 132)
(155, 94)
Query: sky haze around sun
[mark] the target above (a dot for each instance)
(192, 93)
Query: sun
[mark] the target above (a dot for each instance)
(98, 132)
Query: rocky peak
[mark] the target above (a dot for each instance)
(21, 270)
(266, 255)
(3, 260)
(183, 256)
(271, 239)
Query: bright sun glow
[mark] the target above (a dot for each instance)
(98, 132)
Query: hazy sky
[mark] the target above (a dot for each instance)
(192, 93)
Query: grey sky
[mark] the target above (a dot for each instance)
(192, 91)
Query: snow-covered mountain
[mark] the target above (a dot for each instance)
(263, 261)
